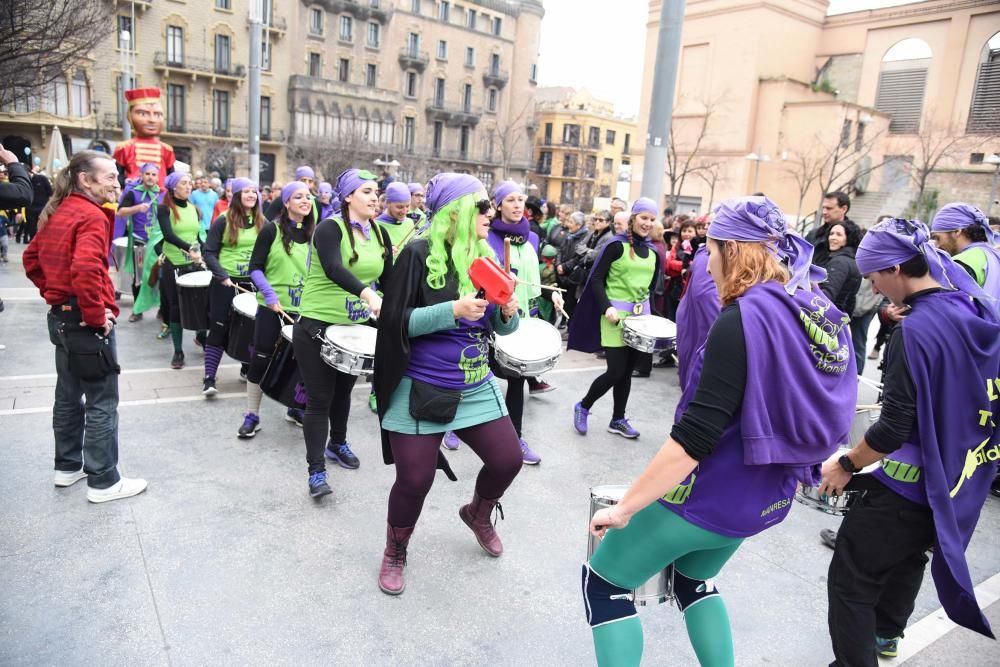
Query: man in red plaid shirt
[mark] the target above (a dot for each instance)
(68, 261)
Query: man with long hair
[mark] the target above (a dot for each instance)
(68, 262)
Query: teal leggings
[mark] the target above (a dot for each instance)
(654, 538)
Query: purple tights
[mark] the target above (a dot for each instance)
(495, 442)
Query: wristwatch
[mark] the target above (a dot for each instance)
(847, 464)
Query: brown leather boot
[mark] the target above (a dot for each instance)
(476, 516)
(390, 576)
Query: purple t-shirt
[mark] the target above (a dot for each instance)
(455, 358)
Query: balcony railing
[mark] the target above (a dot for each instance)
(413, 59)
(454, 116)
(198, 66)
(333, 88)
(362, 11)
(275, 24)
(495, 78)
(208, 129)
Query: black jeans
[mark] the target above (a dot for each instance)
(86, 433)
(621, 362)
(328, 404)
(876, 571)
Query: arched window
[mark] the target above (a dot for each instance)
(984, 112)
(901, 84)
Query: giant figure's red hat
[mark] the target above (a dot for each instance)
(142, 96)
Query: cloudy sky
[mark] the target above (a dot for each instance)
(603, 50)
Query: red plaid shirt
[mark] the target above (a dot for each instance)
(69, 258)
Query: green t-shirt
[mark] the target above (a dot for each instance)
(397, 231)
(235, 259)
(628, 279)
(286, 272)
(326, 301)
(975, 259)
(186, 226)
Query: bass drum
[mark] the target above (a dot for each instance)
(282, 381)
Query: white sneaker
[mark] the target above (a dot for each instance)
(69, 477)
(125, 488)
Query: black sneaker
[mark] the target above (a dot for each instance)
(208, 387)
(177, 362)
(318, 486)
(342, 454)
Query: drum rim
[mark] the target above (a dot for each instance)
(622, 487)
(183, 280)
(248, 298)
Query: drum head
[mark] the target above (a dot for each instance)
(652, 326)
(286, 332)
(533, 340)
(195, 279)
(352, 337)
(609, 492)
(245, 304)
(121, 242)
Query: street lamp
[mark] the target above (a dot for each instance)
(126, 40)
(757, 158)
(993, 159)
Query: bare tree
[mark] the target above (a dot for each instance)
(512, 137)
(331, 155)
(42, 41)
(711, 174)
(805, 168)
(683, 154)
(934, 144)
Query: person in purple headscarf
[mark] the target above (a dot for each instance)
(619, 285)
(303, 174)
(433, 372)
(278, 267)
(937, 442)
(395, 217)
(138, 206)
(756, 419)
(228, 247)
(417, 196)
(964, 232)
(351, 258)
(327, 202)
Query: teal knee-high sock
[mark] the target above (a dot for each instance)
(708, 629)
(177, 335)
(619, 644)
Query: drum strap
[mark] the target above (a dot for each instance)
(603, 601)
(690, 592)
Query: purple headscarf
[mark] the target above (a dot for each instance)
(325, 188)
(149, 165)
(414, 188)
(291, 189)
(505, 188)
(758, 219)
(644, 205)
(305, 172)
(229, 183)
(175, 178)
(446, 188)
(958, 216)
(352, 179)
(892, 242)
(397, 193)
(242, 184)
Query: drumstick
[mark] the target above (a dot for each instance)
(506, 254)
(870, 383)
(404, 241)
(548, 287)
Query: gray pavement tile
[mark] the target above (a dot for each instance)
(961, 647)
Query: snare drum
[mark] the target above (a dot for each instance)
(282, 381)
(657, 590)
(350, 348)
(241, 323)
(119, 250)
(192, 294)
(649, 333)
(531, 350)
(838, 505)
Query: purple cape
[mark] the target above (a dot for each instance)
(585, 326)
(953, 355)
(696, 314)
(992, 284)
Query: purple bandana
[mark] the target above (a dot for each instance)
(305, 172)
(892, 242)
(397, 193)
(325, 188)
(364, 228)
(644, 205)
(446, 188)
(350, 180)
(958, 216)
(174, 178)
(414, 188)
(242, 184)
(517, 232)
(505, 188)
(291, 189)
(758, 219)
(149, 165)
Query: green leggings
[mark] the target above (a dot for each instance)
(654, 538)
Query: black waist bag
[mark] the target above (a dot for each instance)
(90, 353)
(433, 404)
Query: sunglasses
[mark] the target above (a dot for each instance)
(484, 206)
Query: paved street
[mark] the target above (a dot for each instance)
(226, 560)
